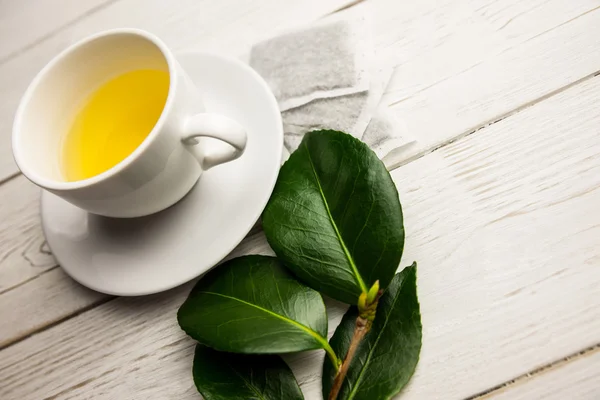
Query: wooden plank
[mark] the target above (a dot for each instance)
(498, 85)
(24, 253)
(25, 23)
(428, 41)
(228, 27)
(500, 222)
(578, 378)
(45, 300)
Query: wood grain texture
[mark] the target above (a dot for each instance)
(498, 85)
(504, 225)
(43, 301)
(25, 23)
(24, 253)
(578, 378)
(428, 42)
(30, 282)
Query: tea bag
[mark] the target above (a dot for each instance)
(325, 76)
(386, 133)
(350, 113)
(324, 60)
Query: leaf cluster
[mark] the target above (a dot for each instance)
(335, 223)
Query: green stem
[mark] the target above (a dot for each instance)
(332, 356)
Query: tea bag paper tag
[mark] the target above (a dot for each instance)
(386, 133)
(350, 113)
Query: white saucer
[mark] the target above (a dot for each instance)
(131, 257)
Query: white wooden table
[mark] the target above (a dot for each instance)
(501, 196)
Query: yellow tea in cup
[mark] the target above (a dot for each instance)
(112, 122)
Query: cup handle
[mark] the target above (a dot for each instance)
(217, 127)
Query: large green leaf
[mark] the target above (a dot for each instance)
(227, 376)
(388, 355)
(334, 217)
(252, 304)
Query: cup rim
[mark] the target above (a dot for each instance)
(114, 170)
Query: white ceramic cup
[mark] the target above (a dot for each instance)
(162, 169)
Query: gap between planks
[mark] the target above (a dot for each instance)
(27, 281)
(423, 89)
(59, 321)
(561, 24)
(536, 372)
(492, 121)
(9, 178)
(344, 7)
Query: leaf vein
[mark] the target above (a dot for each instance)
(364, 226)
(248, 384)
(302, 205)
(347, 253)
(305, 230)
(319, 261)
(297, 324)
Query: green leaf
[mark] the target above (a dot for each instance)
(252, 304)
(227, 376)
(388, 355)
(334, 217)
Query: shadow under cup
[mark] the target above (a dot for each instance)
(52, 100)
